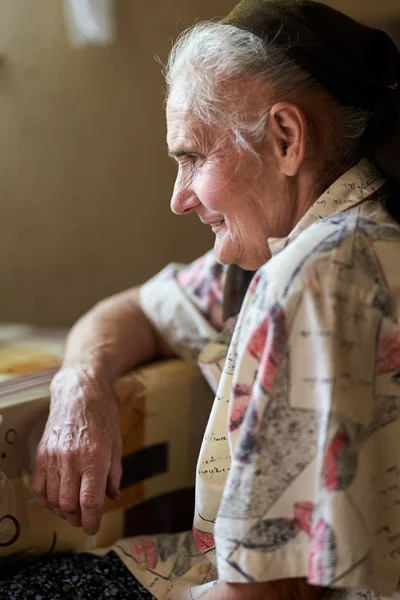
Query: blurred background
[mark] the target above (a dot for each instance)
(85, 181)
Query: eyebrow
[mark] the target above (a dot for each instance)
(181, 151)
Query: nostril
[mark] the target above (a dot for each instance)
(181, 204)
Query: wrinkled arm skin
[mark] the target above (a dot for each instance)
(78, 460)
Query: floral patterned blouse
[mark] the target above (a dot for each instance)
(299, 470)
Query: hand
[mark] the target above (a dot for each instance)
(78, 460)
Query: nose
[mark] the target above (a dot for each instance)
(184, 199)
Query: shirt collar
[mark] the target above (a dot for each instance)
(353, 187)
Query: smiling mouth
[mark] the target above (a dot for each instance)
(216, 224)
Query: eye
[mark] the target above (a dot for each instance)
(194, 160)
(189, 160)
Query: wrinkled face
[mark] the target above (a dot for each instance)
(229, 190)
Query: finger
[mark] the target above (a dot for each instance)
(113, 488)
(53, 484)
(39, 485)
(114, 475)
(53, 487)
(92, 497)
(69, 494)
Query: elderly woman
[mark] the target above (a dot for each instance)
(278, 118)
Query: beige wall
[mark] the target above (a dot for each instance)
(84, 179)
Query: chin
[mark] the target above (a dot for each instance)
(228, 254)
(224, 253)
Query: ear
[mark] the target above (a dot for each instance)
(288, 130)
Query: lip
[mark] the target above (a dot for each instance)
(217, 226)
(214, 224)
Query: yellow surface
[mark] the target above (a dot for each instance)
(26, 360)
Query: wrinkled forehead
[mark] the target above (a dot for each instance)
(180, 120)
(244, 98)
(178, 97)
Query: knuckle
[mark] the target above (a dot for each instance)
(41, 455)
(90, 504)
(69, 506)
(95, 458)
(52, 497)
(70, 450)
(97, 448)
(69, 453)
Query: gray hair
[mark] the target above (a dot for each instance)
(210, 53)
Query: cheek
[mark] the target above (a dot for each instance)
(243, 224)
(214, 189)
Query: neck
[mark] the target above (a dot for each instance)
(306, 190)
(301, 194)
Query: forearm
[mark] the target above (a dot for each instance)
(289, 589)
(114, 337)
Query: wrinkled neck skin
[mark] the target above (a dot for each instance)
(280, 205)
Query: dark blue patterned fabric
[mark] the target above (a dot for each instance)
(71, 577)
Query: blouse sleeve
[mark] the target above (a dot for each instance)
(184, 303)
(314, 486)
